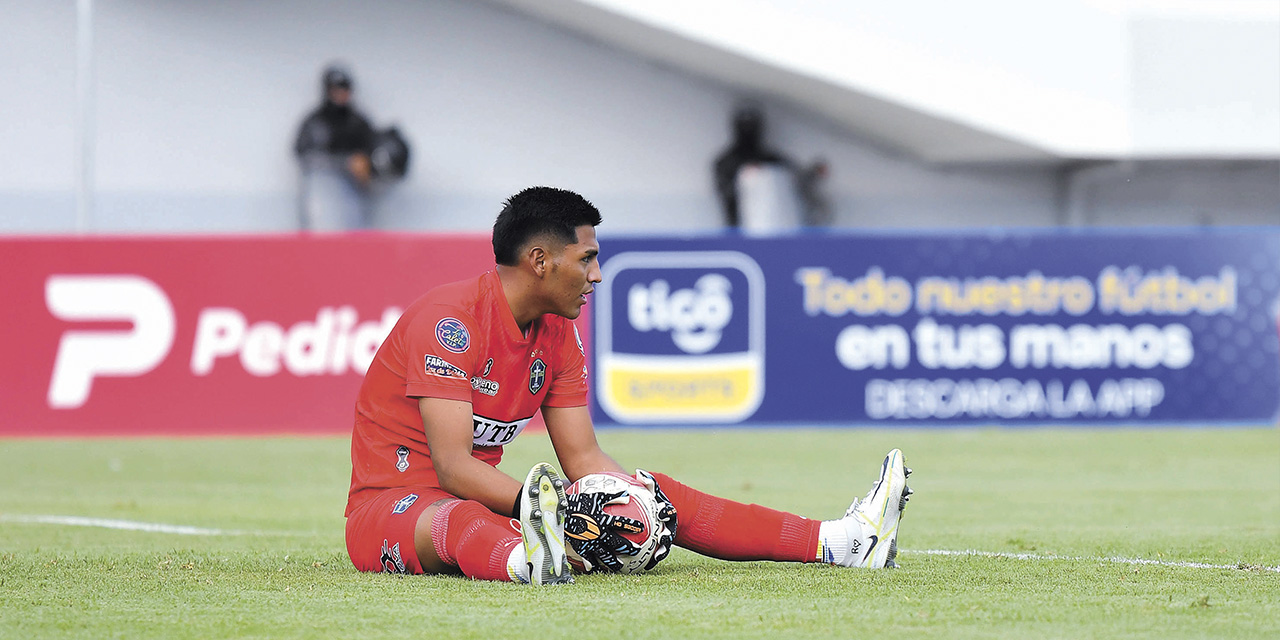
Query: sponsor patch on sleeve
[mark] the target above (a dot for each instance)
(439, 367)
(453, 335)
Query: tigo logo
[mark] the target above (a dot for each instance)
(694, 316)
(682, 340)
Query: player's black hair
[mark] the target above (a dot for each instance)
(539, 211)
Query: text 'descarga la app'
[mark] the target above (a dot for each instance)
(680, 337)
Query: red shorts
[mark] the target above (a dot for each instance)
(380, 531)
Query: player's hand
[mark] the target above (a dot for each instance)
(594, 534)
(666, 515)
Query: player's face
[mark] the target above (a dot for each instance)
(574, 273)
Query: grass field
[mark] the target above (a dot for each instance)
(1064, 507)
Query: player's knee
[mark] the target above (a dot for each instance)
(469, 513)
(447, 525)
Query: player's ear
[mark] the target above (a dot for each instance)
(537, 258)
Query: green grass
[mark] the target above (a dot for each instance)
(1208, 496)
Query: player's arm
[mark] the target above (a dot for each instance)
(448, 427)
(574, 437)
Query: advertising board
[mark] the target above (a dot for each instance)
(1025, 327)
(243, 334)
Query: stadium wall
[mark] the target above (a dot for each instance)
(194, 106)
(271, 334)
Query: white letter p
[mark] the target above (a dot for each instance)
(82, 355)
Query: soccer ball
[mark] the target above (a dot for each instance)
(641, 505)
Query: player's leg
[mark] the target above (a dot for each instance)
(431, 560)
(465, 536)
(417, 530)
(382, 532)
(425, 530)
(867, 535)
(487, 546)
(729, 530)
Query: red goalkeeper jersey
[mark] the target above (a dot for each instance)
(459, 342)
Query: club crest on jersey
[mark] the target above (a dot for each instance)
(453, 335)
(404, 503)
(537, 376)
(402, 458)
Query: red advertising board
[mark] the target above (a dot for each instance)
(229, 335)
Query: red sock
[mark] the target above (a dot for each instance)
(467, 534)
(732, 530)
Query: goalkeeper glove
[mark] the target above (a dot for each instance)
(594, 533)
(666, 515)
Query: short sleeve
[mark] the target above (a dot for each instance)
(440, 354)
(569, 372)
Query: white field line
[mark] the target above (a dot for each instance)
(128, 525)
(149, 527)
(1113, 559)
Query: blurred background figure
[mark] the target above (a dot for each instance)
(341, 157)
(758, 187)
(812, 184)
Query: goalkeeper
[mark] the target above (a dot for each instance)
(461, 374)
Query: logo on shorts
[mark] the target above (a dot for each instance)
(402, 461)
(391, 560)
(404, 503)
(453, 335)
(537, 376)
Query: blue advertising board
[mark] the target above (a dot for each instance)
(1023, 327)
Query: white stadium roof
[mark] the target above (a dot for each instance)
(982, 80)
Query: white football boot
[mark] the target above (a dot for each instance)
(542, 514)
(867, 535)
